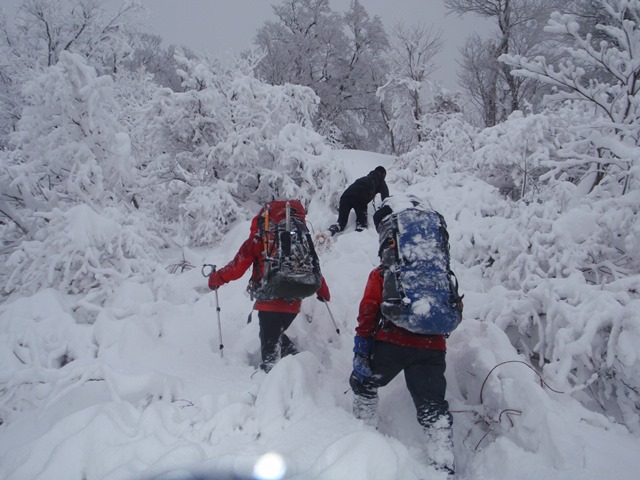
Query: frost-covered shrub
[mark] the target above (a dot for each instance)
(511, 156)
(567, 269)
(84, 253)
(207, 212)
(553, 238)
(446, 146)
(447, 149)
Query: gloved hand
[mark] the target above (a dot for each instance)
(215, 281)
(362, 353)
(323, 293)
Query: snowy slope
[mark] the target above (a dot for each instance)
(146, 392)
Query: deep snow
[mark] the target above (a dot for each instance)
(149, 394)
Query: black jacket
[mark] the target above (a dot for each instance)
(366, 188)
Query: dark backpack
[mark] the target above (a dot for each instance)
(420, 292)
(289, 268)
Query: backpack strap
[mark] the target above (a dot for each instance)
(380, 320)
(265, 228)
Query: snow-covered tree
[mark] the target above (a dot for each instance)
(338, 56)
(226, 140)
(603, 74)
(404, 95)
(495, 91)
(362, 72)
(43, 29)
(69, 146)
(10, 100)
(476, 76)
(150, 56)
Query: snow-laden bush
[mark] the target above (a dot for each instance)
(511, 155)
(559, 276)
(206, 212)
(84, 253)
(69, 147)
(229, 139)
(567, 270)
(598, 70)
(446, 146)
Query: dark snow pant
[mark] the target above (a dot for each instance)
(423, 374)
(274, 343)
(359, 206)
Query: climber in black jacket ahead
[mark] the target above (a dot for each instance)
(357, 196)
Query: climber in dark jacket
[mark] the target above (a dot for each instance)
(357, 196)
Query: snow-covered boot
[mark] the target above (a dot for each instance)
(366, 409)
(439, 446)
(333, 229)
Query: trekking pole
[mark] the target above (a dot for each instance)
(212, 269)
(332, 319)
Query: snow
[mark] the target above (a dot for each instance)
(146, 391)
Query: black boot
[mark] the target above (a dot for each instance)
(287, 346)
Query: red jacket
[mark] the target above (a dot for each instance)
(368, 319)
(250, 253)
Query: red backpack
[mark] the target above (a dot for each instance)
(289, 268)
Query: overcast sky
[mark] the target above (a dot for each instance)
(219, 26)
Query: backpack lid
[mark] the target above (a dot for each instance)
(393, 204)
(278, 212)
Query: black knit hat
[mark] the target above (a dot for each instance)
(381, 170)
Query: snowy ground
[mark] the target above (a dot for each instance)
(145, 392)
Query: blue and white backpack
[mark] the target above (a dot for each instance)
(420, 291)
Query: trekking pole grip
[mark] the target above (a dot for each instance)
(208, 269)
